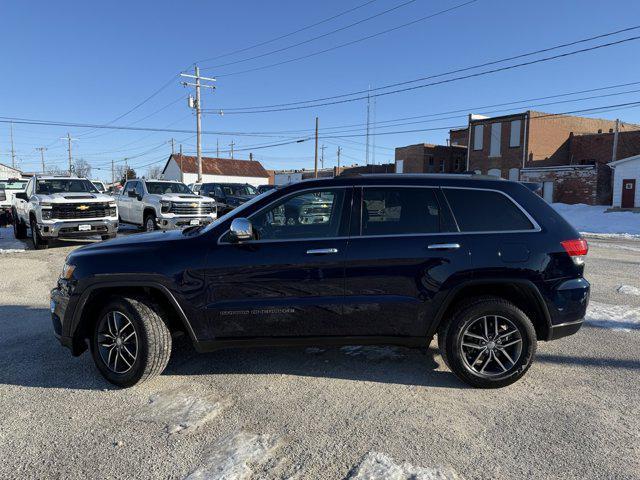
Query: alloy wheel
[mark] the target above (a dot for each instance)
(117, 342)
(491, 345)
(150, 226)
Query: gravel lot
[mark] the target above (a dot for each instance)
(322, 414)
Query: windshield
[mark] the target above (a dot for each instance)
(99, 186)
(160, 188)
(64, 185)
(12, 185)
(239, 189)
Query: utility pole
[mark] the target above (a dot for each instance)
(251, 156)
(231, 145)
(113, 176)
(322, 157)
(181, 172)
(615, 141)
(315, 164)
(366, 154)
(339, 160)
(173, 146)
(373, 133)
(217, 148)
(197, 104)
(13, 150)
(42, 150)
(69, 140)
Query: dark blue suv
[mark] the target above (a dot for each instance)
(483, 263)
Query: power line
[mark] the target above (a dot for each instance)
(451, 72)
(266, 42)
(352, 42)
(309, 40)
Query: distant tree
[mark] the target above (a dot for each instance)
(82, 168)
(127, 174)
(54, 170)
(154, 172)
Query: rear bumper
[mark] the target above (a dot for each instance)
(71, 229)
(568, 307)
(564, 329)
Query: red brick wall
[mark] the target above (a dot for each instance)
(510, 157)
(570, 185)
(599, 147)
(459, 137)
(416, 158)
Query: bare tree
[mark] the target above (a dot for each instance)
(82, 168)
(154, 172)
(54, 170)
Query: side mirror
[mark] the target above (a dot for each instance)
(240, 230)
(132, 193)
(22, 196)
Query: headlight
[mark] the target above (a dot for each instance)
(165, 206)
(67, 271)
(113, 211)
(46, 213)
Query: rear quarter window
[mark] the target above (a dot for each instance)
(485, 211)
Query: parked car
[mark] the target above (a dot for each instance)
(485, 264)
(99, 186)
(163, 204)
(228, 195)
(265, 188)
(195, 187)
(8, 189)
(54, 207)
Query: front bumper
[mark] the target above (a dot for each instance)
(175, 222)
(59, 306)
(73, 229)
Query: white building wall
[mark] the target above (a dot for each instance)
(287, 177)
(630, 169)
(172, 172)
(8, 172)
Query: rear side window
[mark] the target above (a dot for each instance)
(397, 211)
(485, 211)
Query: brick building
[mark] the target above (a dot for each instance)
(429, 158)
(459, 136)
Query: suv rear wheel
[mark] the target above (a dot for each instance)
(38, 242)
(130, 342)
(488, 343)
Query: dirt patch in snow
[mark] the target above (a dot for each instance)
(378, 466)
(180, 411)
(616, 317)
(232, 457)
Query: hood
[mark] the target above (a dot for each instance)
(136, 240)
(74, 198)
(182, 197)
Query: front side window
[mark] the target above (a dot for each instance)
(314, 214)
(239, 189)
(485, 211)
(55, 185)
(160, 188)
(399, 211)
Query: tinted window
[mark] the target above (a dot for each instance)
(485, 211)
(393, 211)
(307, 215)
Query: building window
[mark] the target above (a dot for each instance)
(478, 133)
(514, 139)
(399, 166)
(442, 166)
(496, 136)
(457, 164)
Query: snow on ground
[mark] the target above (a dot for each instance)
(229, 459)
(628, 290)
(615, 246)
(180, 411)
(593, 219)
(616, 317)
(378, 466)
(8, 243)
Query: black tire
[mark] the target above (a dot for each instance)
(149, 219)
(109, 236)
(153, 341)
(501, 317)
(38, 242)
(19, 228)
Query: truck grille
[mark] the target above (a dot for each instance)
(184, 208)
(80, 210)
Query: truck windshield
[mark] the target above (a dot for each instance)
(239, 189)
(160, 188)
(12, 185)
(64, 185)
(99, 186)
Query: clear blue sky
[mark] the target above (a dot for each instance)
(89, 62)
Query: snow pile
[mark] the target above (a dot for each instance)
(8, 243)
(593, 219)
(616, 317)
(373, 352)
(180, 411)
(378, 466)
(229, 459)
(628, 290)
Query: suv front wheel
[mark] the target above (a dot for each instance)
(488, 343)
(130, 342)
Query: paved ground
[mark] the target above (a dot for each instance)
(322, 414)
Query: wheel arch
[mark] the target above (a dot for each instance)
(522, 293)
(92, 300)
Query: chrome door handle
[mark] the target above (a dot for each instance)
(322, 251)
(444, 246)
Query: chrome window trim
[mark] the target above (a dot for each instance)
(535, 224)
(310, 189)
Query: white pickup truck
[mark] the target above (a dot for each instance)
(63, 207)
(163, 204)
(8, 190)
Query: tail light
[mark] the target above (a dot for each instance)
(577, 249)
